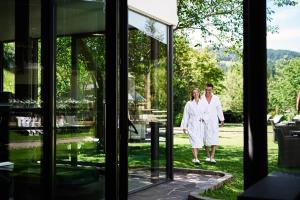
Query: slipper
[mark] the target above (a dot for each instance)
(207, 159)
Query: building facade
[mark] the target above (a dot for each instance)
(86, 97)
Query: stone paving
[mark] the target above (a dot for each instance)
(187, 185)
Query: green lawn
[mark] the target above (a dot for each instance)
(19, 137)
(229, 156)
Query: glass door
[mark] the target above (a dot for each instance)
(20, 100)
(80, 100)
(147, 101)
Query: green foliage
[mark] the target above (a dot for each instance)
(274, 55)
(63, 66)
(193, 68)
(284, 87)
(91, 59)
(8, 81)
(9, 56)
(232, 95)
(148, 74)
(210, 17)
(220, 21)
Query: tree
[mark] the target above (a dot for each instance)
(284, 87)
(232, 95)
(219, 21)
(192, 68)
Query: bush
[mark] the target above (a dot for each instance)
(178, 118)
(233, 117)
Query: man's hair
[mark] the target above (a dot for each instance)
(209, 85)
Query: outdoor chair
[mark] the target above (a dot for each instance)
(275, 121)
(288, 147)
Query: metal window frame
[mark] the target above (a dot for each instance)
(116, 181)
(48, 95)
(1, 66)
(255, 92)
(123, 85)
(169, 136)
(111, 65)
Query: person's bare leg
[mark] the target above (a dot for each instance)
(207, 151)
(213, 150)
(195, 153)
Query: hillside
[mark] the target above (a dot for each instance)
(273, 56)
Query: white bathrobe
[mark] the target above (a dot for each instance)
(215, 113)
(193, 121)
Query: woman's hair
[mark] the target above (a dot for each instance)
(192, 97)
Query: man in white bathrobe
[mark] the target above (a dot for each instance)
(215, 113)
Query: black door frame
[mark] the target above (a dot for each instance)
(116, 165)
(255, 92)
(48, 96)
(48, 57)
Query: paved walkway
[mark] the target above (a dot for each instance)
(187, 184)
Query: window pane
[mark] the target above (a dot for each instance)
(80, 100)
(20, 104)
(147, 101)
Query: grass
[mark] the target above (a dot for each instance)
(19, 137)
(229, 156)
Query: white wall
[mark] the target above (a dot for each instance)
(161, 10)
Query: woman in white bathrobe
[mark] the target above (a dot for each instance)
(193, 122)
(215, 113)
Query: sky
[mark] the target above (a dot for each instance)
(288, 36)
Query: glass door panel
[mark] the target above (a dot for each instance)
(20, 100)
(80, 77)
(147, 101)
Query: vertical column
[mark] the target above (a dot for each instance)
(48, 52)
(6, 182)
(74, 90)
(4, 116)
(111, 65)
(154, 64)
(123, 84)
(255, 92)
(154, 150)
(169, 132)
(1, 65)
(23, 50)
(34, 69)
(74, 75)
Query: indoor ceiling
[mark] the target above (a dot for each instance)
(73, 17)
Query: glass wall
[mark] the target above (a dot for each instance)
(147, 101)
(283, 89)
(20, 100)
(80, 89)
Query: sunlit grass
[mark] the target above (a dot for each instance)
(19, 137)
(229, 156)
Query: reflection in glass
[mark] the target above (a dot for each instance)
(147, 101)
(20, 104)
(283, 87)
(80, 66)
(148, 26)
